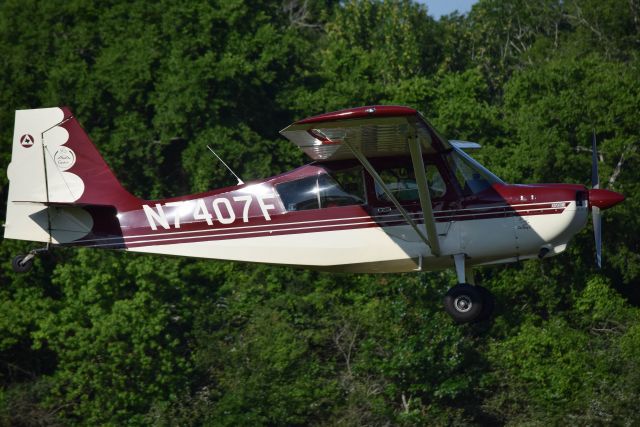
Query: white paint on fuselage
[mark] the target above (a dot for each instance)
(325, 248)
(552, 230)
(394, 249)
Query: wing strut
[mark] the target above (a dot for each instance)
(369, 168)
(423, 192)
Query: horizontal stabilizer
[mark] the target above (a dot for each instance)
(59, 204)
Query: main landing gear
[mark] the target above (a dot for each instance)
(467, 302)
(24, 263)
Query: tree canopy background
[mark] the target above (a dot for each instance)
(98, 337)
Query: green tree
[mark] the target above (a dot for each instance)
(113, 338)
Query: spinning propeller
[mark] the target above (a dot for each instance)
(599, 199)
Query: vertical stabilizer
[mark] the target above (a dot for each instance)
(54, 165)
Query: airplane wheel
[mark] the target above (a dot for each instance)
(489, 303)
(464, 303)
(21, 266)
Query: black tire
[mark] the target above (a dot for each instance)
(489, 303)
(21, 266)
(464, 303)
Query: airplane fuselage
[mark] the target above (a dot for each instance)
(251, 223)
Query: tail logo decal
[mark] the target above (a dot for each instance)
(64, 158)
(64, 186)
(26, 140)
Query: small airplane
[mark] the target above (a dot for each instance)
(385, 193)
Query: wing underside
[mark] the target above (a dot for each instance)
(380, 131)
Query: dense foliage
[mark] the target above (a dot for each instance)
(98, 337)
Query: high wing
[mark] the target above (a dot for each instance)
(375, 131)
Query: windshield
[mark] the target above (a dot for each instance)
(471, 175)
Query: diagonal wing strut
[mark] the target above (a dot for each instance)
(432, 240)
(423, 192)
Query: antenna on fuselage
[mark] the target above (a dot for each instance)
(240, 182)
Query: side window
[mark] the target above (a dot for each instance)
(350, 188)
(300, 194)
(401, 182)
(322, 191)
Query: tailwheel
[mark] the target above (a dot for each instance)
(467, 303)
(22, 263)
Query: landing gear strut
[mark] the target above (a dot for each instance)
(467, 302)
(24, 263)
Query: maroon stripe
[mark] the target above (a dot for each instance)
(392, 220)
(262, 233)
(300, 227)
(247, 229)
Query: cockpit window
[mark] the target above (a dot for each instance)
(471, 175)
(401, 181)
(323, 191)
(351, 181)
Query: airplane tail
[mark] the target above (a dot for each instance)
(57, 179)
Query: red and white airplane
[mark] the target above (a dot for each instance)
(385, 193)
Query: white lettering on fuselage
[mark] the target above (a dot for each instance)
(156, 215)
(198, 210)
